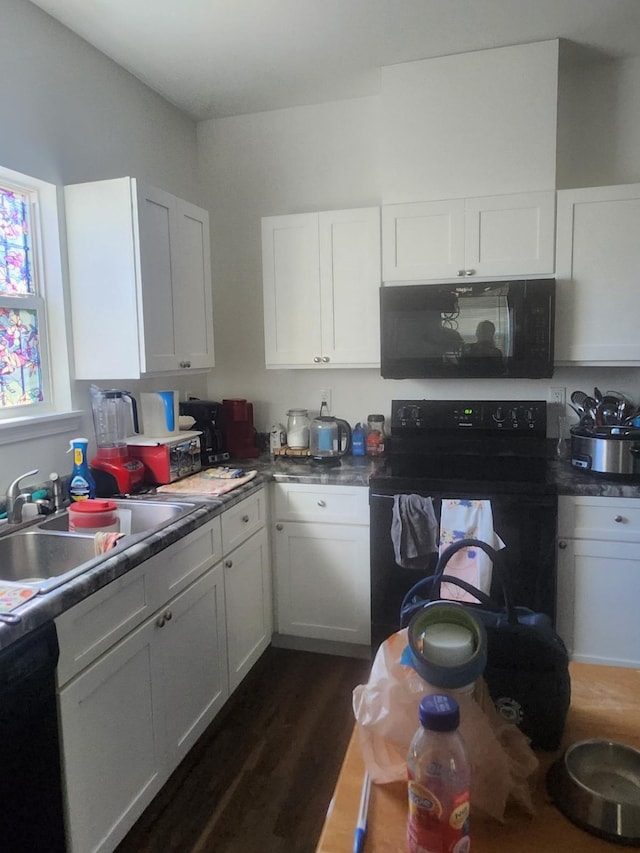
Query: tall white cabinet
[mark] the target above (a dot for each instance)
(598, 257)
(321, 274)
(140, 281)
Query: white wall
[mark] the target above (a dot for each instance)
(328, 157)
(69, 115)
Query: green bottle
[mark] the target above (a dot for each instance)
(81, 485)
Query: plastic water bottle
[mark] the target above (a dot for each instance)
(81, 485)
(358, 441)
(439, 777)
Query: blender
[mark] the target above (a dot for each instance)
(113, 470)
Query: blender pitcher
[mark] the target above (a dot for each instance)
(113, 411)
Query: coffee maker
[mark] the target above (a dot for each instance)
(208, 421)
(238, 428)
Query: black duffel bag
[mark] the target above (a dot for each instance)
(527, 670)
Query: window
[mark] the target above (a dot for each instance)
(35, 381)
(22, 334)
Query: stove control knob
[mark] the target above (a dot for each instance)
(499, 415)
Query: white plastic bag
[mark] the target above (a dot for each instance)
(386, 710)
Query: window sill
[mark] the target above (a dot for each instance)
(13, 430)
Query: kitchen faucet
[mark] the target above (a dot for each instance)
(17, 498)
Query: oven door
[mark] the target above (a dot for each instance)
(526, 524)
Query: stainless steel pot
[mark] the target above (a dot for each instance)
(606, 450)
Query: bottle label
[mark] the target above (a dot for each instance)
(434, 826)
(78, 456)
(79, 489)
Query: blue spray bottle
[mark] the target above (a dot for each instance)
(81, 485)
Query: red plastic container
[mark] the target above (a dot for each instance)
(92, 515)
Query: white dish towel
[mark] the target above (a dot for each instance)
(467, 519)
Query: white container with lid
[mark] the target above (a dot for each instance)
(298, 428)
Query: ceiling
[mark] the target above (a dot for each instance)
(216, 58)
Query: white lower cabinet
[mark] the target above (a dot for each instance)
(148, 661)
(249, 604)
(321, 550)
(599, 579)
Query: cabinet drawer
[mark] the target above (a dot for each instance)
(331, 504)
(243, 520)
(94, 625)
(599, 518)
(187, 559)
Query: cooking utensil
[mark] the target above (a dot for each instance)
(597, 393)
(596, 784)
(578, 399)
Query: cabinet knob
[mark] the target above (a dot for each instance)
(245, 518)
(316, 359)
(279, 526)
(562, 545)
(160, 621)
(469, 272)
(619, 519)
(185, 364)
(325, 358)
(322, 503)
(461, 272)
(228, 563)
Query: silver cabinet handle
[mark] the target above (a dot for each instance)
(168, 616)
(279, 527)
(185, 364)
(325, 358)
(316, 359)
(245, 518)
(322, 503)
(469, 272)
(160, 621)
(618, 518)
(461, 272)
(228, 563)
(562, 545)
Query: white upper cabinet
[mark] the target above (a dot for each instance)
(495, 236)
(470, 124)
(140, 280)
(598, 257)
(321, 274)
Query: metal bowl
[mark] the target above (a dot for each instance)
(596, 784)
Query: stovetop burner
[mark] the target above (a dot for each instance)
(478, 444)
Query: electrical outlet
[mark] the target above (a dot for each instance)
(325, 397)
(558, 396)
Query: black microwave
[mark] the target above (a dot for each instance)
(500, 329)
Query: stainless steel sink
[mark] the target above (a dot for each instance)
(48, 554)
(33, 557)
(136, 516)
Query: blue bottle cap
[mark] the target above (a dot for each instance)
(439, 713)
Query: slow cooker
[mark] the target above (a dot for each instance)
(610, 450)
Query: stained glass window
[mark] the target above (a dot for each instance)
(20, 349)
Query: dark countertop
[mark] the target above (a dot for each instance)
(353, 471)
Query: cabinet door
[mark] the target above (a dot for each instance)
(423, 240)
(510, 235)
(249, 605)
(112, 743)
(597, 616)
(192, 646)
(349, 284)
(323, 587)
(597, 266)
(192, 299)
(291, 284)
(158, 250)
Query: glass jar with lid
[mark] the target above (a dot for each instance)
(375, 435)
(298, 428)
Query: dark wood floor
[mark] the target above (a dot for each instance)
(261, 778)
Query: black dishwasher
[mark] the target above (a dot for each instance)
(30, 780)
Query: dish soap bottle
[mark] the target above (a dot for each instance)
(81, 485)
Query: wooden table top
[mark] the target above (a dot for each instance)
(605, 702)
